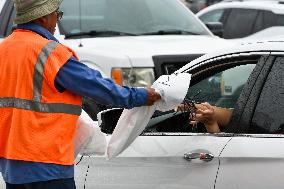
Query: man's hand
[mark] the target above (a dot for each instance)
(153, 96)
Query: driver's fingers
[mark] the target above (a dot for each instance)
(181, 107)
(208, 106)
(201, 106)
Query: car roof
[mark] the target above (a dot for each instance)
(276, 7)
(257, 47)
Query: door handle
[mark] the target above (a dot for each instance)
(199, 155)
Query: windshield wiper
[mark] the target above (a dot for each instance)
(99, 33)
(170, 32)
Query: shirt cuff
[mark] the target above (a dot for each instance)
(141, 97)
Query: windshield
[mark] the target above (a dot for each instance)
(136, 17)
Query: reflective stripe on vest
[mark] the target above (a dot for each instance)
(35, 104)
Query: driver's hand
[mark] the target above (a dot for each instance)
(205, 114)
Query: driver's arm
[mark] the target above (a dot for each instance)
(212, 117)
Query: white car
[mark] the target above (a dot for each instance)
(244, 18)
(172, 154)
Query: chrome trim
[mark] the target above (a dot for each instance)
(203, 156)
(260, 135)
(188, 134)
(215, 135)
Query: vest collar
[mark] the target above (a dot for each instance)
(37, 29)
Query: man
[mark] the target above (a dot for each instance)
(41, 88)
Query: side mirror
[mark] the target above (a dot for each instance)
(108, 119)
(216, 28)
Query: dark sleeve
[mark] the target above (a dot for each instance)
(84, 81)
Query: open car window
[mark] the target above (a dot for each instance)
(223, 88)
(219, 83)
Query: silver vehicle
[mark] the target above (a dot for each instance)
(171, 153)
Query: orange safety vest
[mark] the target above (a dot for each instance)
(37, 123)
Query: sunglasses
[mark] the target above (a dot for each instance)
(59, 14)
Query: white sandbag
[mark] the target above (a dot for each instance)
(89, 139)
(173, 89)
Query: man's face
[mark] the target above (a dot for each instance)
(51, 22)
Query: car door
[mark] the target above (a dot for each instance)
(254, 158)
(171, 153)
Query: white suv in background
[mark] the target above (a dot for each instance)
(243, 18)
(133, 42)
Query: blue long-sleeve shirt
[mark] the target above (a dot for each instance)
(93, 85)
(80, 79)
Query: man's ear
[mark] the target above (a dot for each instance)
(41, 21)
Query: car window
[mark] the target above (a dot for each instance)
(279, 19)
(172, 17)
(264, 20)
(213, 16)
(240, 23)
(223, 88)
(219, 85)
(268, 115)
(127, 16)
